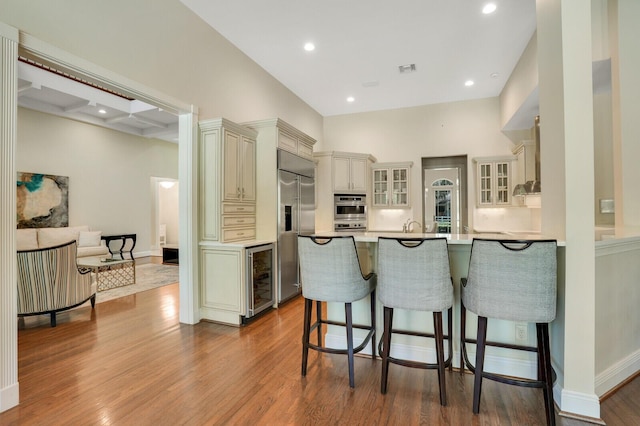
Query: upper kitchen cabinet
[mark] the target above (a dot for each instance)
(294, 141)
(338, 173)
(349, 171)
(494, 181)
(391, 185)
(239, 152)
(227, 181)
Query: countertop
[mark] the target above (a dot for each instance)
(462, 239)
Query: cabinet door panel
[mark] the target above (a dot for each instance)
(341, 174)
(358, 174)
(287, 142)
(209, 179)
(380, 187)
(222, 280)
(231, 166)
(248, 191)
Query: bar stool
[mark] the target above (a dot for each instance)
(514, 281)
(330, 272)
(414, 274)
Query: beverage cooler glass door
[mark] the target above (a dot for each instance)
(260, 279)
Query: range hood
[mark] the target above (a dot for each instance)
(532, 186)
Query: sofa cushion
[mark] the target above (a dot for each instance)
(89, 238)
(26, 239)
(92, 251)
(49, 237)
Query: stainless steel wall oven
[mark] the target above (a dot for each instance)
(350, 212)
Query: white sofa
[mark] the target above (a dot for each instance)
(89, 242)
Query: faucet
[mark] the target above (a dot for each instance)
(406, 227)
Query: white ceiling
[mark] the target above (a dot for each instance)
(46, 91)
(361, 43)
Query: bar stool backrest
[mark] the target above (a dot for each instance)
(329, 269)
(512, 280)
(414, 274)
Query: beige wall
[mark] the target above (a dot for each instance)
(109, 172)
(163, 45)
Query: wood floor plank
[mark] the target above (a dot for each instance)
(130, 362)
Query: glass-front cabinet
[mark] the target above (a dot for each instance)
(493, 181)
(391, 185)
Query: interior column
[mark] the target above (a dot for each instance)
(9, 395)
(567, 176)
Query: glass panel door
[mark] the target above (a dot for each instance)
(380, 187)
(442, 201)
(260, 279)
(400, 187)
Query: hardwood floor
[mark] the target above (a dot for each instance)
(130, 362)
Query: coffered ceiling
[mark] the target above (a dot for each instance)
(42, 90)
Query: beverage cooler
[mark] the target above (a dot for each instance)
(260, 279)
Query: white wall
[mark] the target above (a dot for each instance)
(108, 171)
(469, 128)
(168, 211)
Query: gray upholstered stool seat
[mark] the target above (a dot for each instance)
(330, 272)
(414, 274)
(514, 281)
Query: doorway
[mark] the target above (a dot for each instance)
(165, 219)
(444, 195)
(442, 200)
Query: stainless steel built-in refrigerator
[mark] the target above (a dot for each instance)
(296, 199)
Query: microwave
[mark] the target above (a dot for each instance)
(349, 207)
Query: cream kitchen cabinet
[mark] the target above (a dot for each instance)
(336, 174)
(273, 135)
(236, 280)
(239, 166)
(494, 181)
(227, 181)
(294, 141)
(349, 171)
(391, 185)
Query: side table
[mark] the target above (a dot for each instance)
(122, 238)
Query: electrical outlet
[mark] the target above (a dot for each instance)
(521, 331)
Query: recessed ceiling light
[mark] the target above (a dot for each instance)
(468, 83)
(102, 111)
(489, 8)
(494, 75)
(351, 99)
(309, 47)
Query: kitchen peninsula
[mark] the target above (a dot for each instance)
(498, 360)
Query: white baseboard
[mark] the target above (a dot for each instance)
(584, 405)
(9, 397)
(617, 373)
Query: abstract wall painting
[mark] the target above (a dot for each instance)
(42, 200)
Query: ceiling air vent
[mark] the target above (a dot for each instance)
(404, 69)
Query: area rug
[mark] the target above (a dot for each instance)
(148, 276)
